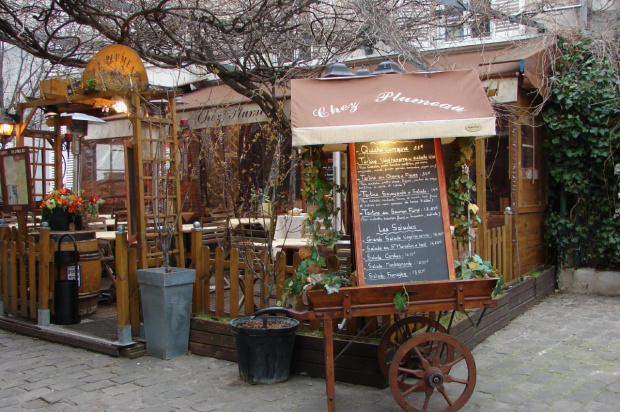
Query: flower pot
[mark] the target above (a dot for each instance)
(166, 309)
(77, 223)
(264, 354)
(59, 219)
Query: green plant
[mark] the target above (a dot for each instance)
(463, 213)
(319, 191)
(401, 300)
(582, 143)
(617, 172)
(310, 275)
(474, 267)
(90, 85)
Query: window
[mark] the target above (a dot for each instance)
(481, 27)
(528, 153)
(110, 161)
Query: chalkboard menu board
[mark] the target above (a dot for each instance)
(400, 212)
(15, 179)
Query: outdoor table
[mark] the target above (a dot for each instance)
(187, 227)
(108, 235)
(292, 245)
(290, 226)
(236, 221)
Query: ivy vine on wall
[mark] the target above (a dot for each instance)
(461, 188)
(583, 146)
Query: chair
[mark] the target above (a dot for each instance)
(343, 251)
(249, 235)
(107, 266)
(98, 224)
(120, 218)
(214, 236)
(219, 213)
(9, 218)
(154, 254)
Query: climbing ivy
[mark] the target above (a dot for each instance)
(583, 150)
(461, 188)
(319, 192)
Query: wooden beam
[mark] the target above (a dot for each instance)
(481, 193)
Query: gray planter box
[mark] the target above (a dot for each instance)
(166, 309)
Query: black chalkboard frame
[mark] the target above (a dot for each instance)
(355, 206)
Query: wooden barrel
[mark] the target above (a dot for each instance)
(89, 266)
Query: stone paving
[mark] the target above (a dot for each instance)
(562, 355)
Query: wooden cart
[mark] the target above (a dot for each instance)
(420, 365)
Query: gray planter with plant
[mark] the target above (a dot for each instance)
(166, 308)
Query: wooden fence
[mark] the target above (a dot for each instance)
(494, 245)
(224, 282)
(26, 278)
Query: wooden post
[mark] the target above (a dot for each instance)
(481, 197)
(234, 283)
(13, 276)
(196, 247)
(330, 374)
(140, 218)
(515, 187)
(22, 296)
(122, 287)
(4, 267)
(32, 279)
(507, 246)
(248, 283)
(280, 271)
(175, 161)
(219, 282)
(5, 232)
(134, 289)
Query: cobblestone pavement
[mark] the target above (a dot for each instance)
(562, 355)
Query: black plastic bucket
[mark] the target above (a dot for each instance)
(264, 355)
(66, 303)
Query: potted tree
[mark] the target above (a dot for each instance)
(264, 345)
(166, 291)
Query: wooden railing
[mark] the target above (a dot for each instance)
(222, 284)
(494, 245)
(25, 277)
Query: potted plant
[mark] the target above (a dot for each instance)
(91, 209)
(64, 209)
(264, 347)
(473, 267)
(166, 291)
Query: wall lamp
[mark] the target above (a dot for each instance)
(7, 126)
(119, 105)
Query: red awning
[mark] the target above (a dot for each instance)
(390, 107)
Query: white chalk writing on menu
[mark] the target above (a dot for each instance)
(400, 212)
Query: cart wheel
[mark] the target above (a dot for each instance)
(401, 331)
(454, 379)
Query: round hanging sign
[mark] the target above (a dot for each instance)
(114, 67)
